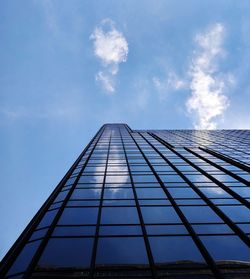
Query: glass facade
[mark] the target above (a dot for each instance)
(144, 204)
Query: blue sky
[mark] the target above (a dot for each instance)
(67, 67)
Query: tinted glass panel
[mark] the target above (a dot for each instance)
(121, 250)
(66, 253)
(120, 230)
(119, 215)
(174, 248)
(78, 216)
(145, 193)
(226, 248)
(24, 258)
(201, 214)
(74, 231)
(118, 193)
(159, 214)
(86, 194)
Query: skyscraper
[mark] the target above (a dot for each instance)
(144, 204)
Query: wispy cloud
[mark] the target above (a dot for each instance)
(208, 101)
(111, 47)
(171, 83)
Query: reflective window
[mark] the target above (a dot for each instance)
(226, 247)
(61, 196)
(215, 192)
(47, 219)
(121, 250)
(144, 178)
(38, 234)
(159, 214)
(182, 193)
(212, 229)
(174, 248)
(86, 194)
(74, 231)
(78, 216)
(120, 230)
(145, 193)
(236, 213)
(71, 253)
(166, 229)
(118, 193)
(201, 214)
(119, 215)
(90, 179)
(24, 258)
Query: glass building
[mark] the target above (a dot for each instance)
(144, 204)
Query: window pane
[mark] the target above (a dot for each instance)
(47, 219)
(166, 229)
(174, 248)
(159, 214)
(118, 193)
(78, 216)
(66, 253)
(201, 214)
(119, 215)
(214, 192)
(121, 250)
(182, 193)
(153, 193)
(24, 258)
(74, 231)
(120, 230)
(226, 248)
(86, 194)
(236, 213)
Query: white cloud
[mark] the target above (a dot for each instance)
(106, 80)
(111, 47)
(171, 83)
(208, 101)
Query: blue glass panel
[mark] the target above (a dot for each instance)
(212, 229)
(159, 214)
(237, 213)
(168, 249)
(144, 193)
(182, 193)
(24, 258)
(91, 179)
(201, 214)
(61, 196)
(74, 231)
(38, 234)
(120, 230)
(154, 202)
(118, 193)
(119, 202)
(121, 250)
(144, 178)
(171, 178)
(215, 192)
(226, 247)
(119, 215)
(47, 219)
(83, 203)
(243, 191)
(86, 194)
(117, 179)
(166, 229)
(78, 216)
(68, 253)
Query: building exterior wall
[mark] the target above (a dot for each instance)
(144, 204)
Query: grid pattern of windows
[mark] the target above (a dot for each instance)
(144, 204)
